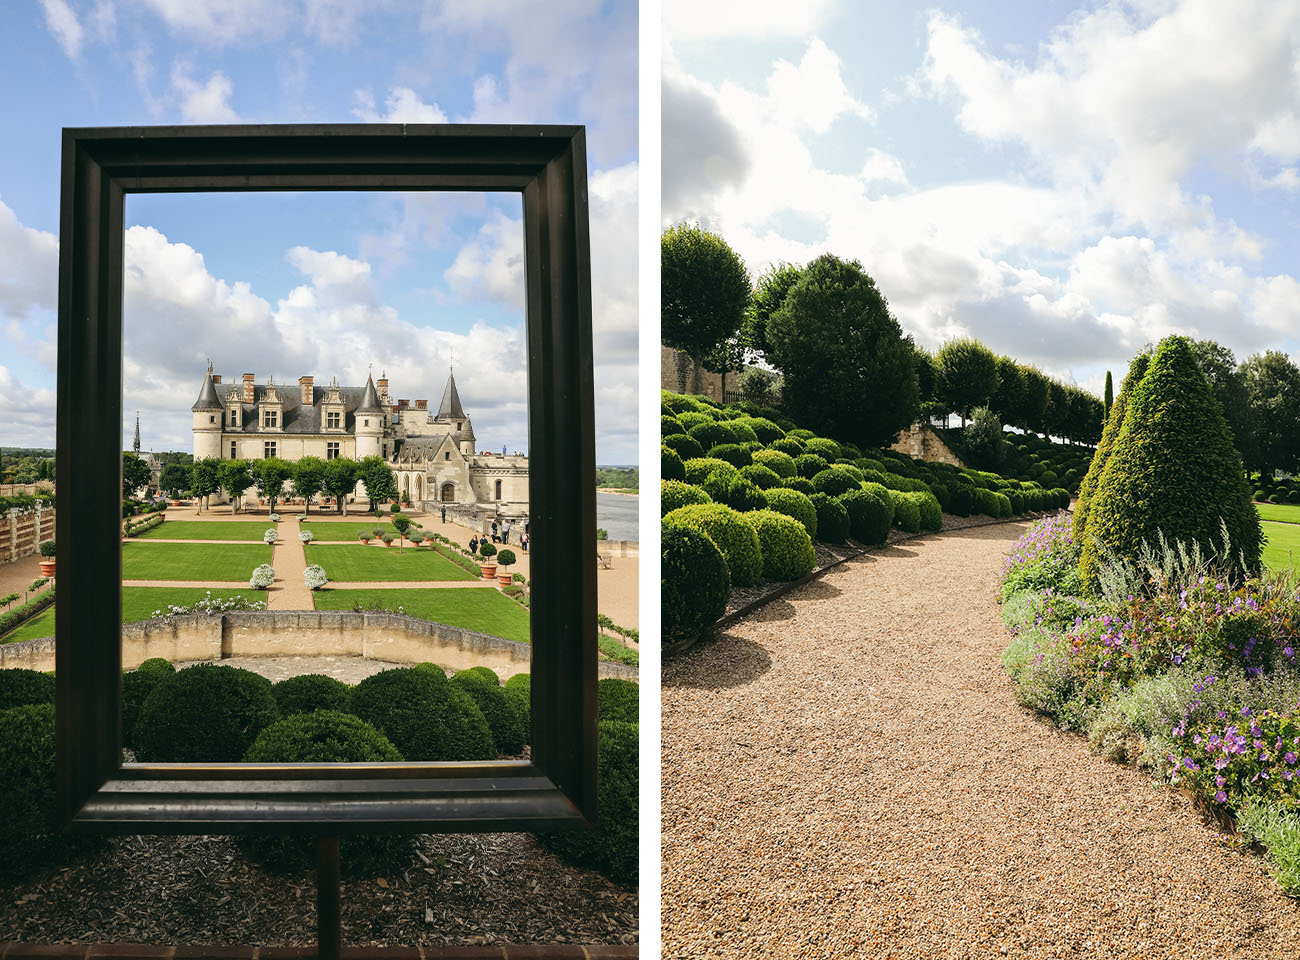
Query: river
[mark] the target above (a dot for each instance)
(617, 514)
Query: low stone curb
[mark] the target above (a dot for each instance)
(140, 951)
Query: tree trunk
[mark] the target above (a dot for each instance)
(697, 375)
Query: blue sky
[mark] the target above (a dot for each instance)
(326, 284)
(1066, 181)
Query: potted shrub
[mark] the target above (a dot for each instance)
(363, 536)
(47, 558)
(314, 577)
(504, 558)
(270, 536)
(263, 576)
(488, 565)
(378, 533)
(388, 539)
(416, 538)
(402, 524)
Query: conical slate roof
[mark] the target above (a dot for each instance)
(370, 399)
(450, 408)
(207, 396)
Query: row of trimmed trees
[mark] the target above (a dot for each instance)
(309, 476)
(847, 368)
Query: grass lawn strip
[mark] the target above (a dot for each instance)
(341, 531)
(191, 561)
(1282, 545)
(486, 611)
(207, 530)
(138, 603)
(359, 562)
(1279, 512)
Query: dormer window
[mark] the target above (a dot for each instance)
(332, 420)
(458, 426)
(446, 455)
(270, 418)
(234, 415)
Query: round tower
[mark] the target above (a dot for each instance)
(208, 416)
(369, 422)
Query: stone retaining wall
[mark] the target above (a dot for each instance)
(23, 529)
(324, 633)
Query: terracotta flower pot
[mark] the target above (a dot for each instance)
(47, 568)
(489, 570)
(503, 579)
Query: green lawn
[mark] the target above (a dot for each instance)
(191, 561)
(358, 562)
(138, 603)
(201, 530)
(1279, 512)
(486, 611)
(337, 531)
(1282, 546)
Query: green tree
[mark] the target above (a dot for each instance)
(932, 406)
(1272, 384)
(769, 294)
(1228, 384)
(174, 478)
(1056, 418)
(966, 375)
(135, 474)
(1107, 400)
(1008, 400)
(378, 478)
(308, 479)
(271, 474)
(848, 371)
(1173, 471)
(234, 478)
(704, 292)
(1137, 369)
(204, 480)
(340, 479)
(983, 436)
(1038, 393)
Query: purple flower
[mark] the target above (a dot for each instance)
(1221, 797)
(1290, 757)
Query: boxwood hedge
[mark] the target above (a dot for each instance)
(733, 453)
(725, 527)
(794, 504)
(20, 687)
(675, 493)
(685, 446)
(694, 584)
(787, 548)
(310, 692)
(834, 481)
(699, 468)
(425, 715)
(204, 713)
(832, 519)
(810, 464)
(760, 476)
(868, 517)
(502, 718)
(782, 464)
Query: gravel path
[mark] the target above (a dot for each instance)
(846, 773)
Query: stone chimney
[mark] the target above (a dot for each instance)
(396, 408)
(421, 404)
(404, 404)
(216, 378)
(248, 388)
(381, 385)
(305, 384)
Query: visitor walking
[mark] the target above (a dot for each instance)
(494, 532)
(523, 540)
(505, 532)
(473, 544)
(444, 514)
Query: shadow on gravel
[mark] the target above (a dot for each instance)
(743, 661)
(1011, 530)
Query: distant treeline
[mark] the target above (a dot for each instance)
(622, 478)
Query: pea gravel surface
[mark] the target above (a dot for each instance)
(846, 773)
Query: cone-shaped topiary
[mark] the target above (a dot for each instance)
(1136, 371)
(1173, 469)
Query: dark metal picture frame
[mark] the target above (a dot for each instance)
(556, 787)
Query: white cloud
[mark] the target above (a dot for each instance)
(203, 102)
(813, 93)
(28, 419)
(404, 106)
(882, 167)
(224, 21)
(492, 264)
(752, 19)
(62, 22)
(29, 267)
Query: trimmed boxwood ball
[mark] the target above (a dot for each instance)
(886, 497)
(787, 548)
(868, 517)
(799, 484)
(137, 684)
(20, 687)
(943, 493)
(612, 847)
(835, 480)
(735, 491)
(848, 467)
(310, 692)
(743, 431)
(692, 418)
(765, 430)
(733, 536)
(1004, 504)
(519, 693)
(823, 447)
(800, 433)
(733, 453)
(790, 446)
(670, 465)
(502, 720)
(325, 736)
(618, 700)
(760, 476)
(907, 513)
(832, 519)
(712, 434)
(675, 493)
(694, 584)
(1062, 497)
(793, 504)
(425, 715)
(782, 464)
(809, 465)
(668, 426)
(1017, 498)
(685, 446)
(204, 714)
(931, 513)
(699, 469)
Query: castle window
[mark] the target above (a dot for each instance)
(269, 418)
(367, 423)
(447, 455)
(233, 415)
(458, 426)
(332, 450)
(498, 496)
(384, 452)
(332, 420)
(232, 450)
(268, 449)
(212, 418)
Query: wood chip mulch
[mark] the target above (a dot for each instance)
(459, 888)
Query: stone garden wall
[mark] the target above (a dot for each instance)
(376, 636)
(23, 529)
